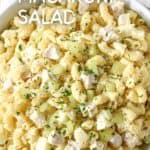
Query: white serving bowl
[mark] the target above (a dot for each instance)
(14, 6)
(7, 15)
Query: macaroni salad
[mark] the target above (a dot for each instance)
(79, 86)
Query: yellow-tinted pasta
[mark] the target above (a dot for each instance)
(79, 86)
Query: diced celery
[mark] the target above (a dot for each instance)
(110, 86)
(105, 135)
(93, 50)
(36, 36)
(94, 68)
(57, 69)
(2, 141)
(118, 117)
(90, 94)
(75, 46)
(117, 68)
(70, 127)
(138, 108)
(44, 107)
(46, 130)
(88, 124)
(95, 63)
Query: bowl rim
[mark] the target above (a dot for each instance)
(7, 14)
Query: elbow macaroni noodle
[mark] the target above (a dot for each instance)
(79, 86)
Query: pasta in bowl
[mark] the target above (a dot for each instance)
(79, 86)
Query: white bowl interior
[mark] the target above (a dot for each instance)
(10, 12)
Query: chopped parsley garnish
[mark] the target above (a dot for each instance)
(139, 81)
(28, 96)
(47, 126)
(20, 47)
(76, 109)
(20, 59)
(88, 71)
(79, 68)
(17, 113)
(91, 135)
(46, 86)
(64, 132)
(60, 102)
(107, 33)
(66, 93)
(94, 148)
(56, 116)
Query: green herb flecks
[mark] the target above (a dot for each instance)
(79, 68)
(88, 72)
(28, 96)
(66, 93)
(20, 47)
(17, 113)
